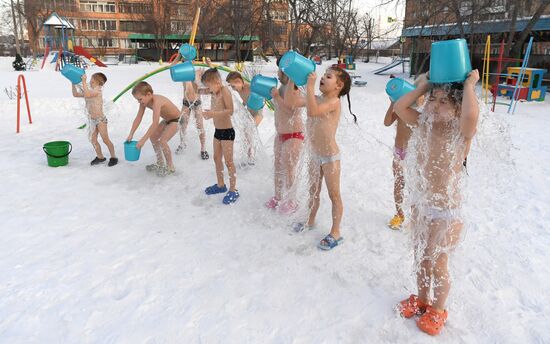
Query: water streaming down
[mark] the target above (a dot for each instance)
(435, 180)
(248, 146)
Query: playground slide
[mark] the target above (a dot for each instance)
(390, 66)
(78, 50)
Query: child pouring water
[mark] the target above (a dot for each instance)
(323, 116)
(160, 132)
(289, 141)
(224, 136)
(93, 95)
(439, 143)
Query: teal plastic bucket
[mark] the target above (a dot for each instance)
(131, 152)
(296, 67)
(188, 52)
(449, 61)
(396, 88)
(74, 74)
(57, 153)
(263, 85)
(183, 72)
(255, 101)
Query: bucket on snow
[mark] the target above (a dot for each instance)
(296, 67)
(73, 73)
(449, 61)
(57, 153)
(131, 152)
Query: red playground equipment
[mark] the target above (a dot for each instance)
(21, 78)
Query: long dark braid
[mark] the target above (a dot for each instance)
(344, 77)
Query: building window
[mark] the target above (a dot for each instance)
(133, 26)
(179, 26)
(279, 15)
(97, 25)
(95, 6)
(135, 8)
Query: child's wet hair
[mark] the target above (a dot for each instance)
(100, 78)
(454, 90)
(234, 76)
(211, 74)
(345, 78)
(142, 88)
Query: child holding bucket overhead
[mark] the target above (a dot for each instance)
(93, 95)
(224, 136)
(323, 116)
(395, 88)
(440, 141)
(160, 132)
(288, 143)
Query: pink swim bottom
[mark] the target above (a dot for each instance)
(400, 153)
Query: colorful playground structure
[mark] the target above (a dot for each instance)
(520, 82)
(346, 62)
(59, 38)
(529, 89)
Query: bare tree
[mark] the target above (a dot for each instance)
(35, 14)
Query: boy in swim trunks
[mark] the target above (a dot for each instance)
(93, 95)
(160, 131)
(323, 116)
(288, 144)
(224, 136)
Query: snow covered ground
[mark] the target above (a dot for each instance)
(117, 255)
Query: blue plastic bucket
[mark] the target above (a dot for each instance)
(296, 67)
(188, 52)
(263, 85)
(396, 88)
(449, 61)
(183, 72)
(131, 152)
(74, 74)
(255, 101)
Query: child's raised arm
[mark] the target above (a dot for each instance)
(470, 106)
(390, 116)
(314, 108)
(87, 92)
(403, 106)
(293, 97)
(137, 122)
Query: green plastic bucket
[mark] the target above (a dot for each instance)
(58, 152)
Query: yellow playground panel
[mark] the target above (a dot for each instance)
(530, 87)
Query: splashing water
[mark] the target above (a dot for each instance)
(247, 144)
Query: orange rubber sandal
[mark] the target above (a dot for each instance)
(432, 321)
(412, 306)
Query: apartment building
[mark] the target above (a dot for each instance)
(112, 27)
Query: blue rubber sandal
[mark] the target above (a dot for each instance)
(215, 189)
(328, 243)
(231, 197)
